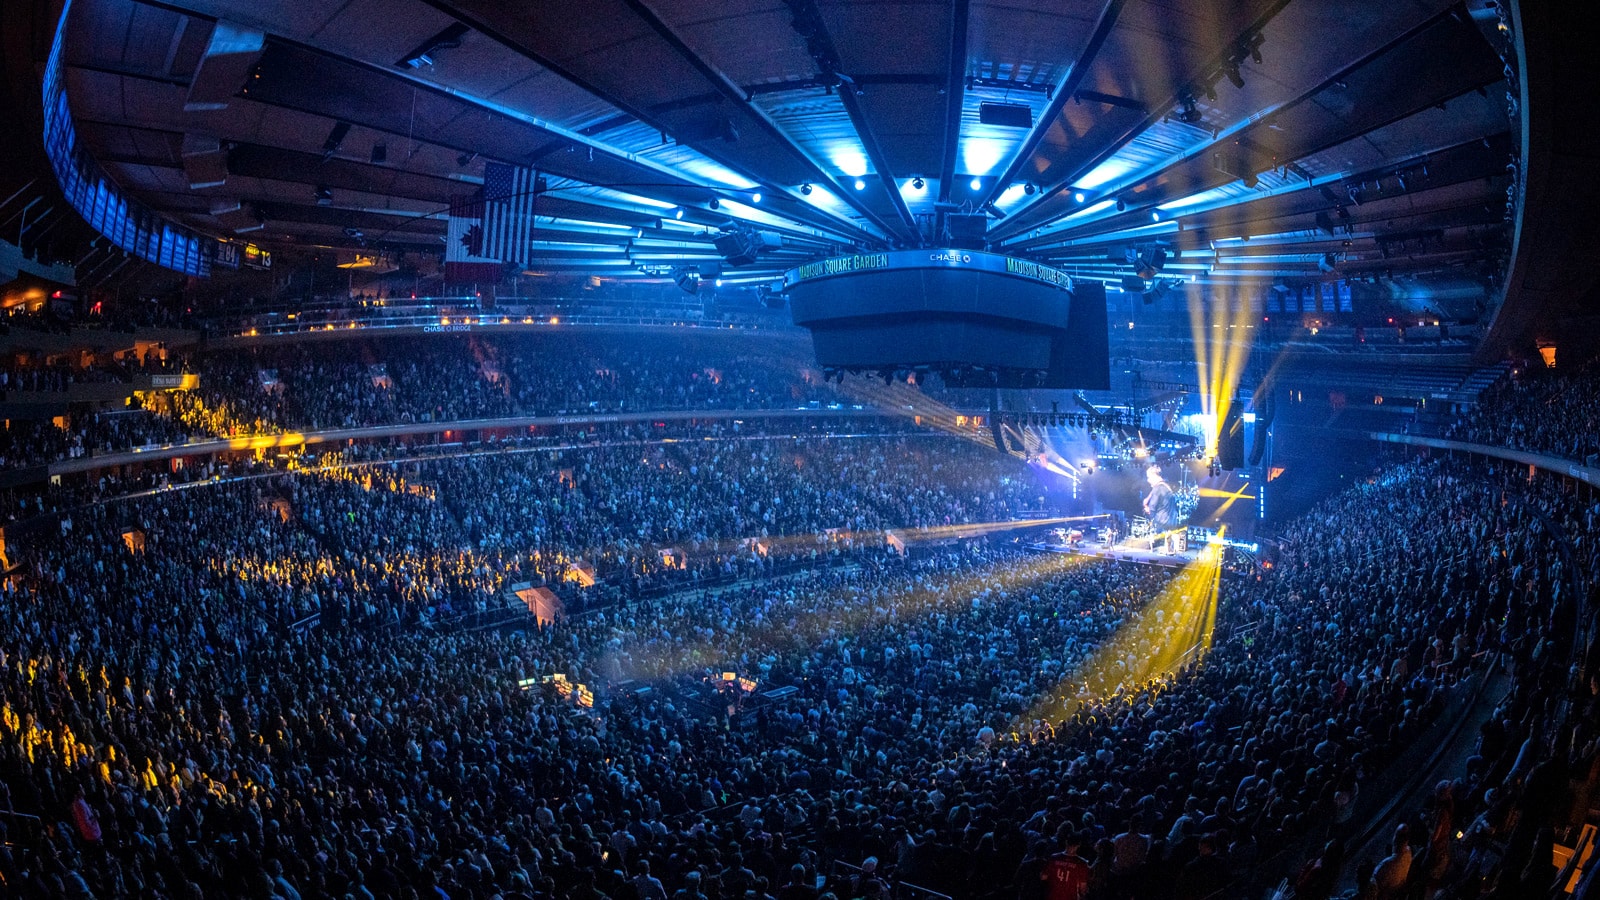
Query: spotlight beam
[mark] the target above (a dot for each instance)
(1171, 633)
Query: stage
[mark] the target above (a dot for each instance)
(1135, 550)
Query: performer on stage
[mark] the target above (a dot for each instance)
(1160, 505)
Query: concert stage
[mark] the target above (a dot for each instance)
(1135, 550)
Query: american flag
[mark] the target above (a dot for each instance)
(508, 199)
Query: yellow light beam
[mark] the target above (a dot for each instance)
(1171, 632)
(844, 610)
(1228, 498)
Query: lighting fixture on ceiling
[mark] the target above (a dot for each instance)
(1190, 114)
(687, 280)
(422, 55)
(918, 184)
(755, 197)
(465, 159)
(1147, 262)
(977, 184)
(335, 139)
(715, 203)
(1078, 197)
(1155, 215)
(805, 190)
(1005, 115)
(677, 213)
(860, 185)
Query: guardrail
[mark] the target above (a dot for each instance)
(292, 439)
(473, 322)
(1559, 465)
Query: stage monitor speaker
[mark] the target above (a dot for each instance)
(1230, 440)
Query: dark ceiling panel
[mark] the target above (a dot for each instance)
(608, 46)
(598, 93)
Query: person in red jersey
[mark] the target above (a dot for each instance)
(1066, 875)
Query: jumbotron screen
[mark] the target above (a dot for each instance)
(977, 318)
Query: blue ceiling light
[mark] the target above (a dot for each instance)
(677, 213)
(860, 185)
(755, 197)
(977, 184)
(1078, 196)
(1155, 215)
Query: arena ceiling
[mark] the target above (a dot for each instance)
(1253, 139)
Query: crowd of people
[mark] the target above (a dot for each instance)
(1541, 411)
(437, 379)
(251, 688)
(397, 381)
(272, 679)
(37, 442)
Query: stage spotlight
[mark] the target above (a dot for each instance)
(805, 190)
(755, 197)
(715, 203)
(1078, 197)
(1155, 215)
(1190, 114)
(860, 185)
(977, 184)
(1029, 188)
(687, 280)
(918, 184)
(421, 56)
(1232, 71)
(1122, 205)
(677, 213)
